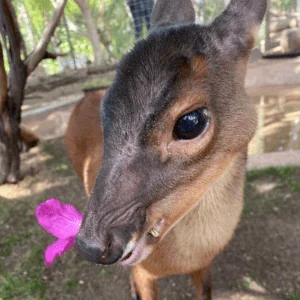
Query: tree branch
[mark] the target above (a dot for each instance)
(3, 80)
(19, 35)
(51, 55)
(39, 52)
(10, 30)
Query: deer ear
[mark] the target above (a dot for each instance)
(239, 23)
(172, 12)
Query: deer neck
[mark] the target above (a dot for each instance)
(202, 233)
(219, 207)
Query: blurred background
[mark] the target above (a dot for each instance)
(119, 22)
(53, 53)
(93, 35)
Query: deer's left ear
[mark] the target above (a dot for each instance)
(238, 25)
(172, 12)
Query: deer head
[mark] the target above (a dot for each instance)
(174, 118)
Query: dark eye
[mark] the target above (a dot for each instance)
(191, 125)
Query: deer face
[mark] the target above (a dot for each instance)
(173, 119)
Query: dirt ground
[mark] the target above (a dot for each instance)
(261, 262)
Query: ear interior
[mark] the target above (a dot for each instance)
(240, 21)
(172, 12)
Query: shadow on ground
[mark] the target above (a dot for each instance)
(261, 262)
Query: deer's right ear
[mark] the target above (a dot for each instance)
(239, 23)
(172, 12)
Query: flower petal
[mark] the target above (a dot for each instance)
(57, 249)
(61, 220)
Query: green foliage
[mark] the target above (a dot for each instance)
(284, 5)
(115, 27)
(112, 19)
(209, 9)
(33, 16)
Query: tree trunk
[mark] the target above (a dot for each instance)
(9, 130)
(4, 160)
(12, 90)
(10, 118)
(12, 94)
(99, 54)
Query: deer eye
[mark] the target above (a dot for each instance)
(191, 125)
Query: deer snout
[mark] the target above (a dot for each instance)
(88, 250)
(106, 253)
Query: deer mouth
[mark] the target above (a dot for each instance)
(138, 251)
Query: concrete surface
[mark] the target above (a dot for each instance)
(273, 159)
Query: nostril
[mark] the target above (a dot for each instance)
(91, 251)
(88, 251)
(112, 254)
(111, 257)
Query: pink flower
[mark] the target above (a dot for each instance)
(62, 221)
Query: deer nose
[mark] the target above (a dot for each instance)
(93, 253)
(87, 250)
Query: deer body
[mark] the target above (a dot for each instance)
(28, 138)
(84, 139)
(163, 162)
(194, 240)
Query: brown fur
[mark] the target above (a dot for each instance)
(147, 175)
(216, 214)
(28, 138)
(84, 138)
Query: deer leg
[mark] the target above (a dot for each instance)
(202, 282)
(143, 285)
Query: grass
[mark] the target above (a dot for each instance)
(20, 253)
(70, 285)
(59, 163)
(10, 242)
(25, 278)
(246, 282)
(292, 296)
(105, 272)
(283, 172)
(22, 269)
(284, 179)
(288, 175)
(242, 285)
(23, 274)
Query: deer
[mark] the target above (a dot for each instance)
(162, 154)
